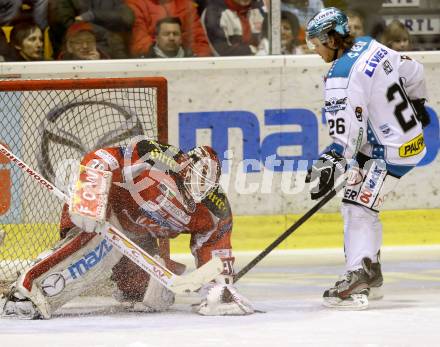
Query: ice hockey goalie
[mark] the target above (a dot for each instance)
(156, 191)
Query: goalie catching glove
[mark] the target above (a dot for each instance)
(222, 299)
(326, 170)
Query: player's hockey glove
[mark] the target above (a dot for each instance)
(326, 170)
(421, 113)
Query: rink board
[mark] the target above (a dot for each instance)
(255, 107)
(258, 109)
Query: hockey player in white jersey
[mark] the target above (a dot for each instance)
(374, 106)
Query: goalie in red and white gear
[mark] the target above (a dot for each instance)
(156, 191)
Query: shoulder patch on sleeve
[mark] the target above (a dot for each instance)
(217, 203)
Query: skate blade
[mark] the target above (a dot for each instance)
(354, 302)
(376, 293)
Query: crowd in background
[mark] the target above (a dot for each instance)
(34, 30)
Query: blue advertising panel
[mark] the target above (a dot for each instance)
(265, 149)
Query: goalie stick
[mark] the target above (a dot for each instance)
(289, 231)
(177, 284)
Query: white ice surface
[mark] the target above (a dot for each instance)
(288, 286)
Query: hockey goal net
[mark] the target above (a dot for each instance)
(47, 123)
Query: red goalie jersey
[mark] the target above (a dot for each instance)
(154, 194)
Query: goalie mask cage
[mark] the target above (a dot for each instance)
(46, 123)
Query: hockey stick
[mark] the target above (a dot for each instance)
(289, 231)
(175, 283)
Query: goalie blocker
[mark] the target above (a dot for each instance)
(182, 196)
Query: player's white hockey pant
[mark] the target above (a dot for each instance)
(364, 194)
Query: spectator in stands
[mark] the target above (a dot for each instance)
(201, 5)
(289, 33)
(396, 36)
(374, 24)
(149, 12)
(168, 40)
(5, 48)
(27, 39)
(264, 44)
(355, 23)
(303, 10)
(80, 43)
(14, 11)
(234, 27)
(112, 22)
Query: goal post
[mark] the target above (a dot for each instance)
(51, 123)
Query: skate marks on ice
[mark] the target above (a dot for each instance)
(411, 274)
(296, 280)
(287, 285)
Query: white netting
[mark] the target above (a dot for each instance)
(46, 129)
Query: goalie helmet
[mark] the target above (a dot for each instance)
(326, 20)
(202, 173)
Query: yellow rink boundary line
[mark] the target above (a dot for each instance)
(255, 233)
(325, 230)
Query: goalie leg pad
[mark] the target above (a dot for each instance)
(223, 300)
(71, 267)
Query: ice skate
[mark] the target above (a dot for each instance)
(352, 290)
(376, 282)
